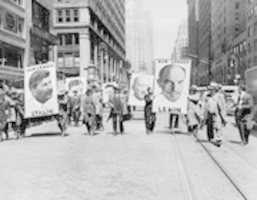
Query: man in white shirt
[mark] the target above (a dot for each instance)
(214, 116)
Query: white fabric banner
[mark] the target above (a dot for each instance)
(40, 86)
(76, 84)
(171, 87)
(138, 88)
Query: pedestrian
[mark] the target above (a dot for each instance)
(117, 111)
(62, 118)
(4, 112)
(75, 102)
(150, 117)
(21, 121)
(244, 112)
(214, 116)
(12, 117)
(99, 109)
(193, 115)
(88, 110)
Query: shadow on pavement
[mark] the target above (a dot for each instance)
(203, 141)
(235, 142)
(54, 134)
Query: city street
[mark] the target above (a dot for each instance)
(133, 166)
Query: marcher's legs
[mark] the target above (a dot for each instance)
(121, 124)
(6, 129)
(210, 134)
(176, 116)
(114, 123)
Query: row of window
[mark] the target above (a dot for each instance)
(13, 56)
(70, 59)
(67, 15)
(18, 2)
(68, 39)
(11, 22)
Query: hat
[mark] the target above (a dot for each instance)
(194, 87)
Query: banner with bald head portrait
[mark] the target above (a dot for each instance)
(171, 87)
(40, 87)
(139, 85)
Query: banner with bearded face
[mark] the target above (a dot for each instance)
(40, 87)
(139, 85)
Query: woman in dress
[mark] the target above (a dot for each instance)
(150, 117)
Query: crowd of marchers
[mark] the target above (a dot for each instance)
(205, 109)
(208, 109)
(74, 110)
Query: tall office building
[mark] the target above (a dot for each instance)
(228, 21)
(252, 33)
(193, 37)
(91, 39)
(139, 43)
(25, 36)
(204, 42)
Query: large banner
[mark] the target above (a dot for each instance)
(75, 85)
(171, 87)
(40, 86)
(138, 88)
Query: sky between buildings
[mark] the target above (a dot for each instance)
(167, 15)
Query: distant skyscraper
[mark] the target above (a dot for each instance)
(180, 51)
(139, 44)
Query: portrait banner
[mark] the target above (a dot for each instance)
(75, 85)
(138, 88)
(108, 91)
(40, 87)
(171, 87)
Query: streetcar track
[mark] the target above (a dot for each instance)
(183, 170)
(225, 172)
(228, 146)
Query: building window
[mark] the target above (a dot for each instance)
(67, 13)
(11, 22)
(20, 25)
(13, 57)
(18, 2)
(59, 16)
(76, 36)
(75, 15)
(60, 39)
(237, 5)
(68, 39)
(41, 16)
